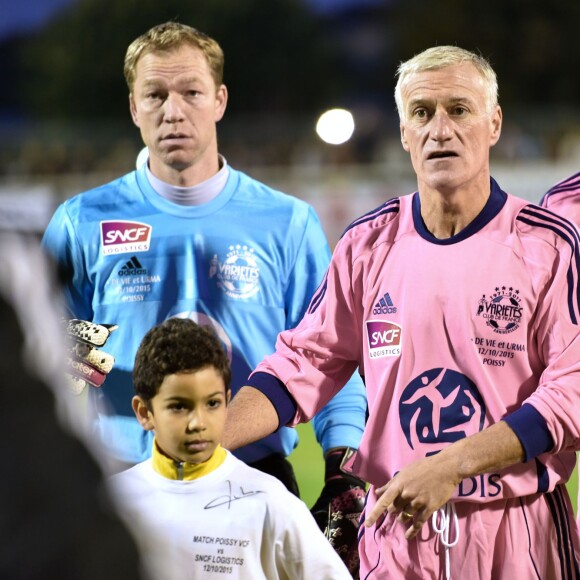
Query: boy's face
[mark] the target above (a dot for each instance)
(187, 414)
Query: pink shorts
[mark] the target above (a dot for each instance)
(518, 538)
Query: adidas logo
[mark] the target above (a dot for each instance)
(385, 305)
(132, 268)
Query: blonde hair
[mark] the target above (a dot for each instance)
(171, 36)
(443, 56)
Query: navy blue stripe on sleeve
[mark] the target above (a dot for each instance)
(317, 298)
(390, 206)
(569, 184)
(277, 394)
(532, 431)
(543, 218)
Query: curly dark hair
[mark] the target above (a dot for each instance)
(174, 346)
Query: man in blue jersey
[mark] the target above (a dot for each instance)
(186, 235)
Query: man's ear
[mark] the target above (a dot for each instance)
(228, 396)
(404, 138)
(221, 102)
(143, 413)
(133, 110)
(496, 122)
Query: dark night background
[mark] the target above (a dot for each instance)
(62, 59)
(64, 115)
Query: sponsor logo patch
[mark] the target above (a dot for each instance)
(119, 237)
(385, 305)
(132, 268)
(384, 338)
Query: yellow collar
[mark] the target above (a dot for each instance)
(172, 469)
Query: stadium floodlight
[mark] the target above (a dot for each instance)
(142, 157)
(335, 126)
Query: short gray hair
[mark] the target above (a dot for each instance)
(439, 57)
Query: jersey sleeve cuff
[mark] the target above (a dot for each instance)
(277, 394)
(532, 431)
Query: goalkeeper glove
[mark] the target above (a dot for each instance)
(86, 363)
(338, 509)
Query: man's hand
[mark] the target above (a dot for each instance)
(86, 363)
(424, 486)
(338, 509)
(415, 493)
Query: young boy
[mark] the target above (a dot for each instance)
(200, 511)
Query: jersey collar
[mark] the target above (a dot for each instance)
(493, 206)
(181, 470)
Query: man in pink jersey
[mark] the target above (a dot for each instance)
(564, 198)
(460, 306)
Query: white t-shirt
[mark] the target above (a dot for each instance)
(235, 522)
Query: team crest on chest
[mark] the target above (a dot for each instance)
(502, 309)
(238, 273)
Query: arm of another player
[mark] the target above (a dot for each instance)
(303, 552)
(422, 487)
(251, 416)
(339, 425)
(60, 242)
(86, 363)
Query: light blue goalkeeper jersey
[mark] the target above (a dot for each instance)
(246, 263)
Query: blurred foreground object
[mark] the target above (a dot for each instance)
(56, 521)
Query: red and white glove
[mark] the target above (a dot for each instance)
(338, 509)
(86, 363)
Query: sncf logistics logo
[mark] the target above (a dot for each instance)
(119, 237)
(384, 338)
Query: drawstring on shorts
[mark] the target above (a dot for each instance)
(441, 521)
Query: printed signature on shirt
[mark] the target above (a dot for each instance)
(230, 497)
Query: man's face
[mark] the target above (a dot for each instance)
(176, 105)
(187, 414)
(447, 128)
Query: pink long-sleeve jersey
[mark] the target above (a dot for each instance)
(564, 198)
(450, 337)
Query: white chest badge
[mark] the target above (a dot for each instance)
(238, 275)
